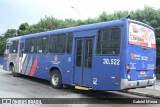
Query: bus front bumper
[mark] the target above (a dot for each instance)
(125, 84)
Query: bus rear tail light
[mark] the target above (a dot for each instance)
(154, 69)
(128, 71)
(127, 66)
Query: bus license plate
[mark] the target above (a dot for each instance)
(142, 72)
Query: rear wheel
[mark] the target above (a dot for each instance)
(56, 79)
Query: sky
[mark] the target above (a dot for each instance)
(15, 12)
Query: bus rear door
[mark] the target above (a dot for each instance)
(83, 61)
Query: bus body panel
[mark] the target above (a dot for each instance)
(98, 72)
(141, 60)
(108, 70)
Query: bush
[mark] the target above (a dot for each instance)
(158, 76)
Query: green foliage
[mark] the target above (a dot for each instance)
(22, 29)
(23, 26)
(10, 33)
(158, 76)
(2, 45)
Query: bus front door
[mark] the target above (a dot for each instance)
(83, 61)
(21, 59)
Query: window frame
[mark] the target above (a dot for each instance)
(111, 28)
(12, 47)
(27, 45)
(57, 35)
(30, 40)
(35, 45)
(46, 45)
(42, 44)
(70, 33)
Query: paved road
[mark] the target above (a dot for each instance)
(27, 87)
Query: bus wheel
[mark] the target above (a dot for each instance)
(13, 72)
(56, 79)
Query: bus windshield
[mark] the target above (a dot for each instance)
(141, 35)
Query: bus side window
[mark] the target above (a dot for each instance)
(45, 44)
(27, 46)
(69, 43)
(52, 45)
(108, 42)
(21, 49)
(58, 44)
(39, 45)
(61, 44)
(33, 45)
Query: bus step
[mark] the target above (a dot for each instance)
(82, 88)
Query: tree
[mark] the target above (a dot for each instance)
(2, 45)
(22, 28)
(10, 33)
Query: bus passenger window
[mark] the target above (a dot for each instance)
(57, 43)
(39, 45)
(33, 45)
(61, 43)
(108, 41)
(27, 46)
(45, 44)
(52, 45)
(69, 43)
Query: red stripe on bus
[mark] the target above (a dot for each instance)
(34, 66)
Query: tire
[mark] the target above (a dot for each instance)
(13, 72)
(56, 79)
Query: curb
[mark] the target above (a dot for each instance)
(141, 94)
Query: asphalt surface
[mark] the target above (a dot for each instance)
(27, 87)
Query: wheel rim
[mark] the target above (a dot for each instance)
(55, 79)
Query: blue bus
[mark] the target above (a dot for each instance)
(113, 55)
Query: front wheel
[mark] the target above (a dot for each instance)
(13, 72)
(56, 79)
